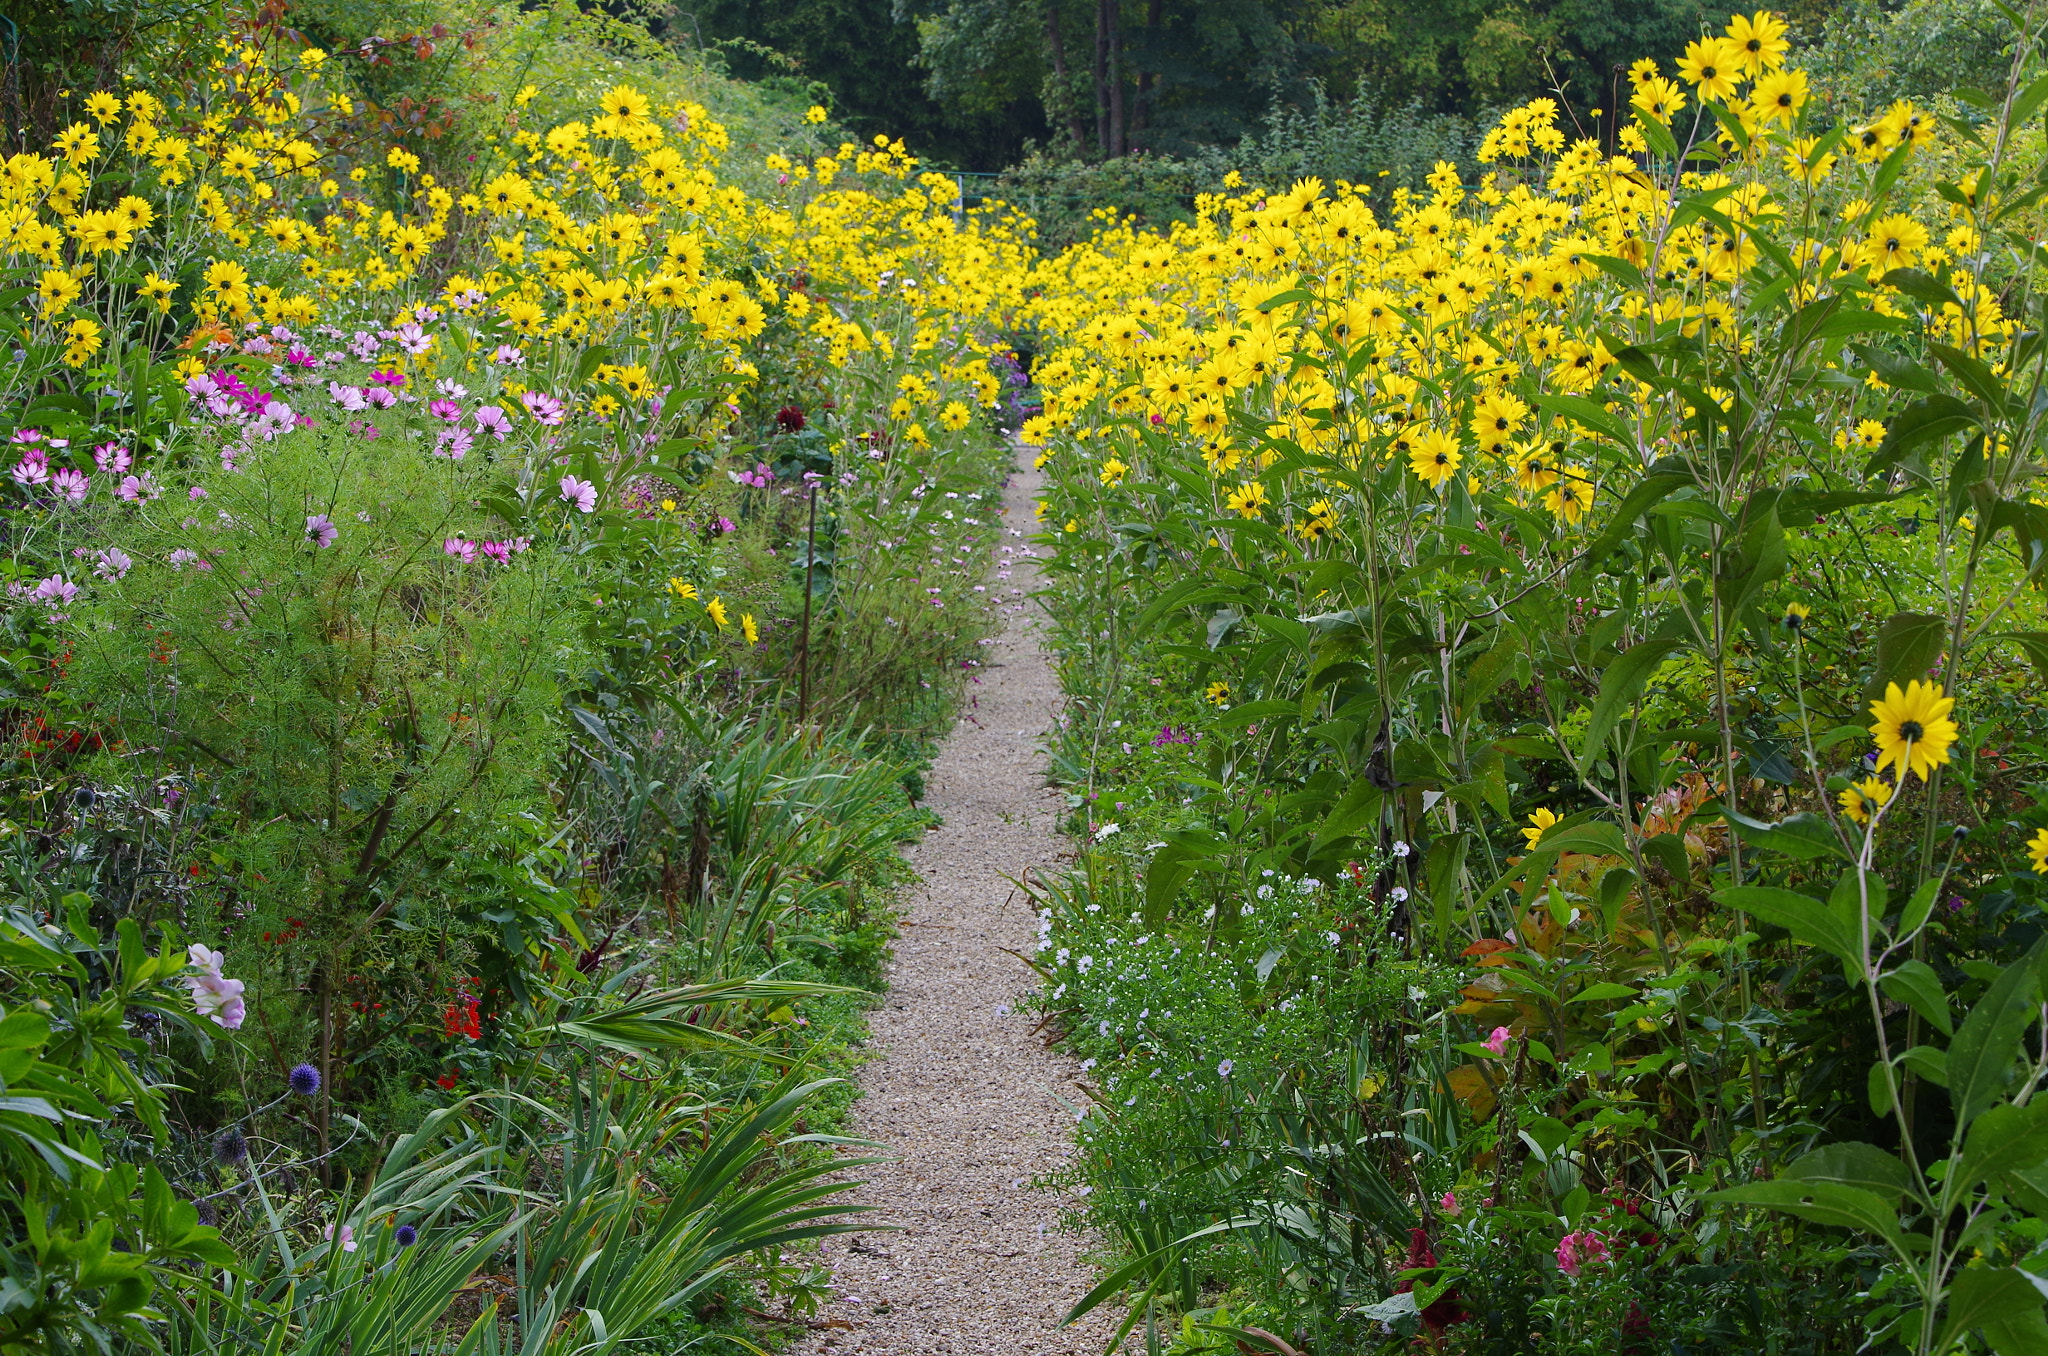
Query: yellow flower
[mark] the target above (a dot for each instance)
(1113, 472)
(1778, 97)
(625, 103)
(1570, 497)
(1217, 693)
(1759, 41)
(1870, 434)
(1435, 458)
(1711, 66)
(57, 290)
(1912, 728)
(1542, 820)
(815, 115)
(1247, 500)
(103, 107)
(1864, 799)
(681, 589)
(2037, 852)
(635, 382)
(158, 290)
(748, 629)
(715, 609)
(955, 416)
(1795, 617)
(1659, 100)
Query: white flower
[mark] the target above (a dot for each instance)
(1223, 1069)
(1400, 849)
(1105, 830)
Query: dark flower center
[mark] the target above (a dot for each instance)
(1911, 731)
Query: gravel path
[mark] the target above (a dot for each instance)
(964, 1094)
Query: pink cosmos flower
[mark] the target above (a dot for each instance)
(71, 484)
(320, 530)
(212, 994)
(32, 469)
(498, 551)
(464, 551)
(490, 419)
(581, 493)
(505, 355)
(1497, 1043)
(447, 411)
(196, 493)
(113, 563)
(453, 443)
(544, 408)
(1576, 1251)
(112, 459)
(27, 435)
(348, 1236)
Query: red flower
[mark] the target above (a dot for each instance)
(1445, 1309)
(447, 1080)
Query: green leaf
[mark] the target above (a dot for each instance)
(1980, 1059)
(1652, 489)
(2002, 1141)
(1657, 135)
(1988, 1296)
(1907, 645)
(1853, 1164)
(1916, 985)
(1804, 836)
(1601, 993)
(1806, 918)
(1585, 413)
(1620, 685)
(1825, 1203)
(1928, 421)
(1974, 373)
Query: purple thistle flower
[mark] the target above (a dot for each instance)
(230, 1148)
(305, 1079)
(406, 1236)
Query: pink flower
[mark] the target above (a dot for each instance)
(447, 411)
(1497, 1043)
(113, 563)
(499, 551)
(112, 459)
(544, 408)
(505, 355)
(490, 419)
(213, 995)
(1575, 1251)
(32, 469)
(453, 443)
(348, 1236)
(464, 551)
(1449, 1203)
(142, 487)
(71, 484)
(581, 493)
(320, 530)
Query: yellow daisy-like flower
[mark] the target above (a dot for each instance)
(715, 609)
(1659, 99)
(1795, 617)
(1218, 694)
(1435, 458)
(1247, 500)
(955, 416)
(1570, 497)
(1864, 799)
(1912, 728)
(1541, 822)
(748, 629)
(1778, 97)
(2037, 852)
(1759, 41)
(1113, 472)
(1870, 434)
(624, 103)
(1711, 66)
(681, 589)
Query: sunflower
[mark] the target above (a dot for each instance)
(1542, 821)
(1246, 500)
(1912, 728)
(1865, 798)
(1711, 66)
(2037, 852)
(1435, 458)
(1218, 694)
(1570, 497)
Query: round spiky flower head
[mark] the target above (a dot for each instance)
(1912, 728)
(231, 1148)
(305, 1079)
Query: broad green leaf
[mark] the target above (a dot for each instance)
(1806, 837)
(1916, 985)
(1987, 1296)
(1853, 1164)
(1824, 1203)
(1907, 645)
(1980, 1059)
(1806, 918)
(1620, 684)
(1929, 421)
(2002, 1141)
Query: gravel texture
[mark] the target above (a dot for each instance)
(961, 1089)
